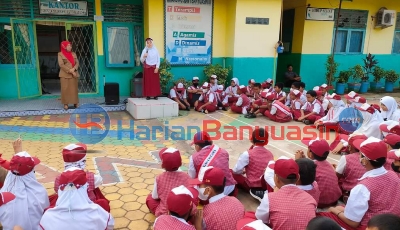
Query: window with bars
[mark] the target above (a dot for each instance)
(352, 25)
(396, 40)
(6, 46)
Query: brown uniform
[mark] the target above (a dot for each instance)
(69, 83)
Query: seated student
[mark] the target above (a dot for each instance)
(222, 212)
(230, 92)
(318, 151)
(390, 127)
(280, 209)
(384, 222)
(277, 111)
(280, 95)
(249, 223)
(194, 91)
(74, 210)
(178, 94)
(324, 101)
(220, 93)
(390, 109)
(180, 201)
(256, 92)
(324, 90)
(303, 89)
(295, 104)
(243, 103)
(251, 164)
(323, 223)
(208, 154)
(267, 86)
(335, 108)
(393, 143)
(170, 161)
(31, 200)
(249, 88)
(74, 155)
(207, 102)
(312, 110)
(295, 86)
(350, 97)
(377, 192)
(213, 83)
(349, 169)
(393, 156)
(259, 106)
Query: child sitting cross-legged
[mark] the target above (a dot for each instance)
(243, 103)
(312, 110)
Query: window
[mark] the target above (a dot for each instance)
(396, 41)
(6, 46)
(351, 31)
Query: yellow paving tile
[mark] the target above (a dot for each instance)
(122, 222)
(135, 215)
(138, 224)
(118, 212)
(142, 192)
(130, 206)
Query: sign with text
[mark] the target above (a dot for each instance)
(64, 8)
(320, 14)
(188, 31)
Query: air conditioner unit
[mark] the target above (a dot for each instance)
(385, 18)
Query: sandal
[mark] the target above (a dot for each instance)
(66, 107)
(75, 106)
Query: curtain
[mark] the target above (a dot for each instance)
(396, 43)
(356, 38)
(341, 41)
(112, 32)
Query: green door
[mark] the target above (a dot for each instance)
(25, 59)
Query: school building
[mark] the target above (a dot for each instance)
(108, 37)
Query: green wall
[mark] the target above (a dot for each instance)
(8, 86)
(285, 59)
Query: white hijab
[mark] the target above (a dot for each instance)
(393, 113)
(30, 202)
(370, 124)
(334, 112)
(236, 81)
(74, 210)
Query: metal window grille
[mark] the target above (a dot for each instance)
(398, 21)
(122, 13)
(352, 19)
(15, 9)
(6, 46)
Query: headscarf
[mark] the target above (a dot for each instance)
(66, 53)
(153, 51)
(370, 124)
(74, 209)
(30, 202)
(391, 105)
(236, 81)
(337, 107)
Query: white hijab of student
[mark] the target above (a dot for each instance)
(337, 107)
(31, 197)
(74, 209)
(371, 121)
(391, 104)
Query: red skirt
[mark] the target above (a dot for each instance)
(151, 82)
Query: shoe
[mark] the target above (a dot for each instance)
(155, 98)
(306, 122)
(147, 98)
(188, 108)
(251, 115)
(224, 109)
(257, 194)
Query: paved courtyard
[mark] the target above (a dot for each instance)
(129, 166)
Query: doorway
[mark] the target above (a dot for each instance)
(49, 37)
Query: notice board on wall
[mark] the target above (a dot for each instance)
(188, 31)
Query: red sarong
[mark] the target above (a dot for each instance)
(339, 221)
(151, 82)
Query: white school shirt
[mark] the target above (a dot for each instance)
(239, 101)
(192, 173)
(341, 165)
(172, 94)
(357, 204)
(325, 104)
(297, 105)
(153, 57)
(303, 99)
(317, 107)
(243, 161)
(210, 97)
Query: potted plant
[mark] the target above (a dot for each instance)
(165, 76)
(378, 74)
(358, 73)
(390, 78)
(369, 66)
(343, 78)
(221, 72)
(331, 69)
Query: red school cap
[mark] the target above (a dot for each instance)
(170, 159)
(209, 176)
(390, 127)
(72, 176)
(22, 163)
(352, 137)
(392, 139)
(317, 146)
(285, 167)
(180, 199)
(6, 197)
(200, 138)
(373, 148)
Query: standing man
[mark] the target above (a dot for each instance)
(151, 62)
(291, 76)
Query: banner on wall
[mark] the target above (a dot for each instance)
(188, 31)
(320, 14)
(77, 8)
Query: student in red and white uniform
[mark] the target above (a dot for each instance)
(384, 222)
(324, 90)
(249, 223)
(221, 212)
(259, 106)
(31, 200)
(318, 151)
(74, 210)
(213, 83)
(163, 183)
(194, 91)
(393, 143)
(390, 127)
(178, 94)
(296, 86)
(307, 171)
(180, 201)
(349, 99)
(208, 154)
(324, 101)
(335, 108)
(230, 92)
(303, 89)
(277, 111)
(207, 102)
(252, 163)
(74, 155)
(280, 95)
(6, 197)
(256, 92)
(249, 88)
(267, 86)
(377, 192)
(389, 108)
(349, 169)
(322, 222)
(220, 93)
(243, 103)
(278, 209)
(394, 157)
(295, 104)
(312, 110)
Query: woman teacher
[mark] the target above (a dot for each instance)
(151, 62)
(69, 75)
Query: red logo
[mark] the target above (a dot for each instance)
(88, 125)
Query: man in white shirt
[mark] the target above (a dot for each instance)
(178, 94)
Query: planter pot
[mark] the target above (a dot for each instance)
(340, 87)
(389, 86)
(364, 87)
(375, 85)
(354, 86)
